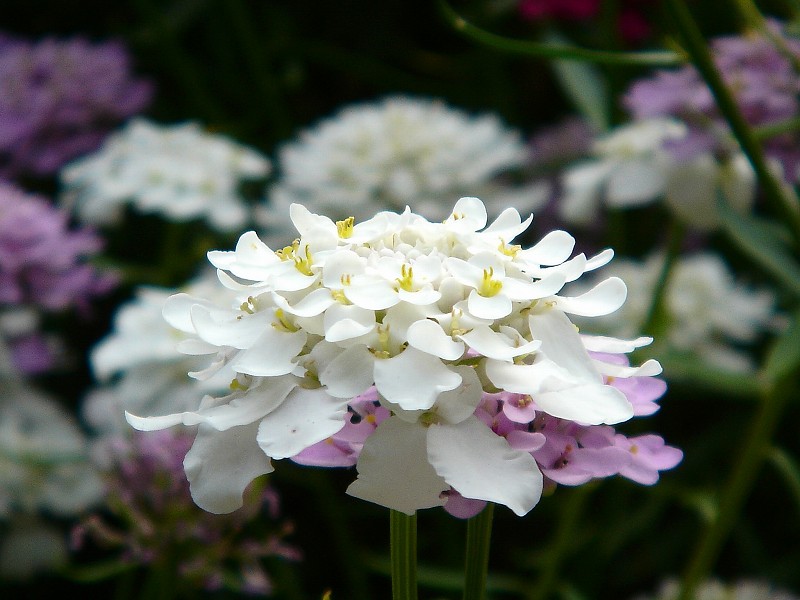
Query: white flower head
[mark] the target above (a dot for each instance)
(430, 315)
(709, 313)
(395, 152)
(180, 172)
(632, 166)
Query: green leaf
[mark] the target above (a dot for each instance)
(584, 85)
(765, 243)
(97, 571)
(784, 355)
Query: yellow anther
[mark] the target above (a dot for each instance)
(489, 287)
(249, 305)
(339, 296)
(509, 249)
(456, 216)
(370, 418)
(304, 264)
(345, 228)
(406, 281)
(346, 279)
(287, 253)
(283, 323)
(237, 385)
(634, 449)
(524, 401)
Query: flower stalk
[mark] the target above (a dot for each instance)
(479, 534)
(403, 536)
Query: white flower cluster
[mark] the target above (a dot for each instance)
(708, 312)
(432, 315)
(632, 167)
(715, 590)
(138, 364)
(180, 172)
(396, 152)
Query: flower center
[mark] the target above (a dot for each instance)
(345, 228)
(489, 287)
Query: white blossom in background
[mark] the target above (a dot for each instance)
(395, 152)
(139, 366)
(632, 166)
(428, 315)
(44, 472)
(180, 172)
(709, 313)
(716, 590)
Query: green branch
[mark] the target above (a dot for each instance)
(656, 58)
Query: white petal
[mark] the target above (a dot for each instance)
(604, 298)
(428, 336)
(525, 290)
(480, 464)
(552, 249)
(508, 225)
(221, 464)
(347, 322)
(520, 379)
(303, 419)
(562, 344)
(393, 469)
(349, 374)
(487, 342)
(272, 354)
(177, 309)
(469, 214)
(312, 304)
(488, 307)
(221, 415)
(195, 347)
(590, 404)
(227, 328)
(599, 343)
(413, 379)
(374, 294)
(648, 369)
(456, 405)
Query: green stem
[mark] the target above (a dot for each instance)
(476, 568)
(753, 17)
(563, 541)
(660, 58)
(764, 132)
(788, 469)
(403, 535)
(782, 199)
(677, 232)
(738, 487)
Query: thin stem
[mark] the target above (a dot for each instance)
(660, 58)
(738, 486)
(563, 541)
(476, 568)
(764, 132)
(788, 469)
(677, 232)
(403, 535)
(782, 199)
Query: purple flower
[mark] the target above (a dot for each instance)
(763, 82)
(59, 98)
(42, 260)
(154, 518)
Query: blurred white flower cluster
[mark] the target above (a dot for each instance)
(430, 316)
(715, 590)
(707, 312)
(179, 171)
(632, 166)
(44, 472)
(396, 152)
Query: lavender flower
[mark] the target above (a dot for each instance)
(153, 519)
(42, 260)
(715, 590)
(59, 98)
(764, 83)
(42, 269)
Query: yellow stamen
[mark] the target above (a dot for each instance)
(345, 228)
(283, 323)
(489, 287)
(406, 281)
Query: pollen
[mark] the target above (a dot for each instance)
(345, 228)
(406, 279)
(489, 287)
